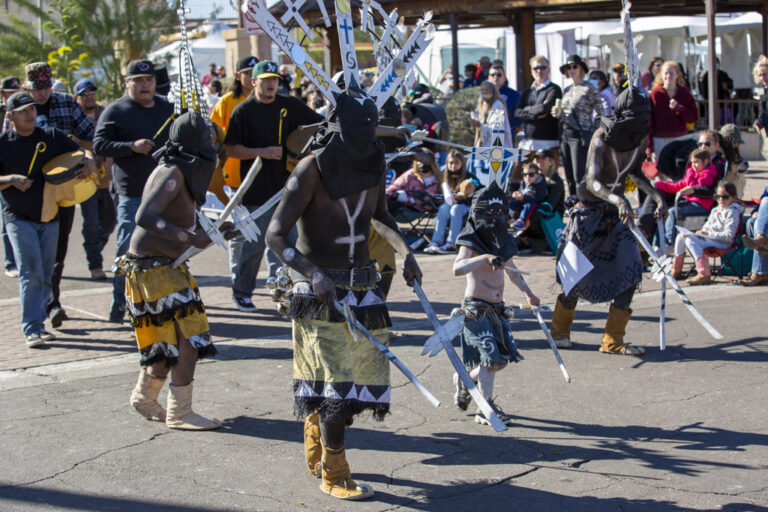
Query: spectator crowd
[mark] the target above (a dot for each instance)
(255, 112)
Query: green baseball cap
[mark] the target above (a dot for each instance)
(265, 69)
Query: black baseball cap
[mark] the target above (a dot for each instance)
(137, 68)
(19, 101)
(246, 63)
(544, 153)
(10, 83)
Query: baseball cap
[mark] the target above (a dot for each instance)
(246, 63)
(84, 85)
(10, 83)
(618, 67)
(39, 76)
(19, 101)
(265, 69)
(544, 153)
(137, 68)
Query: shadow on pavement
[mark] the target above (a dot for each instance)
(41, 496)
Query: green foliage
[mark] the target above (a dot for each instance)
(100, 35)
(458, 112)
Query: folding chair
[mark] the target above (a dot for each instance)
(725, 262)
(416, 226)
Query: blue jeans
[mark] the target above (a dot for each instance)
(34, 245)
(99, 219)
(453, 213)
(126, 223)
(759, 225)
(680, 212)
(10, 261)
(245, 257)
(521, 209)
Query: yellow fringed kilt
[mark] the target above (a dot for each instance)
(160, 298)
(335, 375)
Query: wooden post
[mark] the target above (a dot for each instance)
(454, 17)
(712, 85)
(335, 49)
(764, 39)
(525, 45)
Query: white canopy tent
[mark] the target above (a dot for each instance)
(205, 51)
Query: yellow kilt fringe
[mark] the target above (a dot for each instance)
(333, 374)
(159, 299)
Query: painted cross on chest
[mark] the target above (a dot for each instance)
(352, 239)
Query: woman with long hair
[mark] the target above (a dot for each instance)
(457, 187)
(672, 107)
(579, 115)
(649, 75)
(489, 100)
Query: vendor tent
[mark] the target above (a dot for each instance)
(205, 51)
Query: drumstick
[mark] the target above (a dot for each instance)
(40, 148)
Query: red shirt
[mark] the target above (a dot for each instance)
(672, 123)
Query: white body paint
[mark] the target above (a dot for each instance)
(183, 236)
(160, 224)
(274, 226)
(613, 198)
(170, 185)
(317, 277)
(292, 183)
(288, 254)
(352, 239)
(597, 186)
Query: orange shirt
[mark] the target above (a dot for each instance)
(221, 114)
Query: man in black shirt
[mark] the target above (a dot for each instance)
(259, 127)
(128, 130)
(24, 149)
(58, 111)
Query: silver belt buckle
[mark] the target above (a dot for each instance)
(352, 277)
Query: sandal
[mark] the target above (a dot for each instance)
(754, 280)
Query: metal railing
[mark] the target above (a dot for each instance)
(740, 112)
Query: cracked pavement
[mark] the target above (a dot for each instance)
(682, 429)
(679, 430)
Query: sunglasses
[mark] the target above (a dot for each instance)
(721, 196)
(540, 68)
(574, 66)
(530, 173)
(707, 144)
(495, 74)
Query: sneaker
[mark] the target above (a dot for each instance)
(446, 248)
(34, 340)
(504, 417)
(12, 272)
(462, 397)
(431, 248)
(47, 336)
(245, 304)
(57, 317)
(98, 274)
(518, 225)
(117, 313)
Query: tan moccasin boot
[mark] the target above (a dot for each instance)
(337, 479)
(144, 396)
(180, 415)
(613, 337)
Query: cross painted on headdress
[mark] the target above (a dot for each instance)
(347, 29)
(292, 11)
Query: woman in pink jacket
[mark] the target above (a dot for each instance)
(411, 187)
(700, 173)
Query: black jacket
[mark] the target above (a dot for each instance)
(532, 105)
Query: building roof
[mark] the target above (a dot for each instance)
(502, 12)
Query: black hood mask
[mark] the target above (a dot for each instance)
(348, 155)
(190, 148)
(486, 230)
(631, 124)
